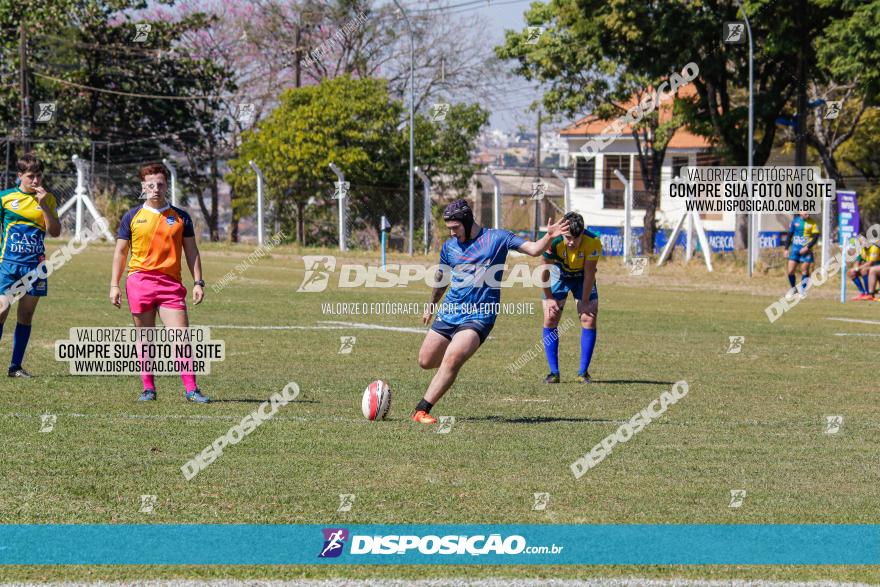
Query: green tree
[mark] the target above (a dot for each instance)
(848, 56)
(347, 122)
(861, 153)
(141, 96)
(573, 57)
(593, 48)
(356, 125)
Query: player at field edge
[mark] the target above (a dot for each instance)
(803, 234)
(868, 257)
(27, 213)
(155, 232)
(873, 275)
(575, 255)
(469, 310)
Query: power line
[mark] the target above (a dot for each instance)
(493, 4)
(131, 94)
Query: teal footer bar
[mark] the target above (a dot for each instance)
(222, 544)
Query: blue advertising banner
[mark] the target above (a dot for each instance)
(230, 544)
(721, 241)
(848, 215)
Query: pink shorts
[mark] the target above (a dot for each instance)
(147, 290)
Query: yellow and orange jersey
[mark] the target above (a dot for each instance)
(24, 227)
(156, 238)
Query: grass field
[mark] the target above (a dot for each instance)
(753, 420)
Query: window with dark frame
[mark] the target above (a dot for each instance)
(613, 162)
(677, 164)
(584, 172)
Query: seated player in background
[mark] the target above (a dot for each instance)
(868, 257)
(575, 255)
(475, 257)
(803, 234)
(156, 232)
(27, 213)
(873, 275)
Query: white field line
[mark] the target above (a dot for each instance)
(375, 326)
(330, 325)
(456, 582)
(856, 334)
(204, 417)
(402, 418)
(855, 320)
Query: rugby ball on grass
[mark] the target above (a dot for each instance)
(376, 401)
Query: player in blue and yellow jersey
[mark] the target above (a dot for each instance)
(27, 213)
(574, 255)
(158, 235)
(868, 257)
(471, 265)
(873, 273)
(803, 234)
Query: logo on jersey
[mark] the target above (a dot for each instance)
(14, 204)
(169, 220)
(334, 541)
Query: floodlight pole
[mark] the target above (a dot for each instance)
(412, 100)
(342, 204)
(426, 215)
(173, 171)
(752, 224)
(566, 190)
(260, 182)
(79, 193)
(496, 199)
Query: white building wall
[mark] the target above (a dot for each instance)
(590, 201)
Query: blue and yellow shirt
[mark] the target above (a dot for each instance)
(802, 231)
(571, 261)
(870, 254)
(156, 238)
(24, 227)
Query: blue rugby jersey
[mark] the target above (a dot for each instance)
(472, 293)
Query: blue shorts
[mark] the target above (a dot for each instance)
(561, 286)
(795, 255)
(11, 273)
(447, 331)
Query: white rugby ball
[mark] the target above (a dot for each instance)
(376, 401)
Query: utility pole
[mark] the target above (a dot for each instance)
(800, 143)
(23, 87)
(297, 56)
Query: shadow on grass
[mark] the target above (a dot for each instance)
(533, 420)
(632, 381)
(259, 401)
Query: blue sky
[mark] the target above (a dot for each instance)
(501, 15)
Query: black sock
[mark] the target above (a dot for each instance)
(424, 406)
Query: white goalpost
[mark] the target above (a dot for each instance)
(81, 200)
(693, 224)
